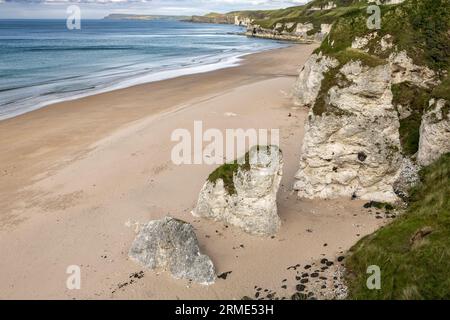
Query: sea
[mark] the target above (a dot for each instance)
(43, 62)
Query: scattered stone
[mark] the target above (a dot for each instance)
(224, 275)
(299, 296)
(300, 287)
(137, 275)
(419, 236)
(362, 156)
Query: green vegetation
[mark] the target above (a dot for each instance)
(416, 99)
(366, 59)
(227, 171)
(379, 205)
(430, 21)
(413, 252)
(442, 91)
(420, 27)
(321, 105)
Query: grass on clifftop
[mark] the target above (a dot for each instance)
(420, 27)
(227, 171)
(413, 252)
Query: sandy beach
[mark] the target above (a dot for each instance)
(77, 177)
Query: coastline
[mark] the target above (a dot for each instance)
(142, 53)
(77, 176)
(224, 63)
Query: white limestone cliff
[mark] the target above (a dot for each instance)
(352, 149)
(308, 84)
(434, 132)
(353, 152)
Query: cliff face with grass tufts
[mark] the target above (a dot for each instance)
(378, 103)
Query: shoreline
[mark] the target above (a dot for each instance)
(77, 177)
(161, 75)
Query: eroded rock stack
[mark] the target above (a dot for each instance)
(171, 244)
(351, 149)
(244, 193)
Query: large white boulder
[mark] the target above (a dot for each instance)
(171, 244)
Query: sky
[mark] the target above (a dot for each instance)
(93, 9)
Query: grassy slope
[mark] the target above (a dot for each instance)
(410, 269)
(269, 18)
